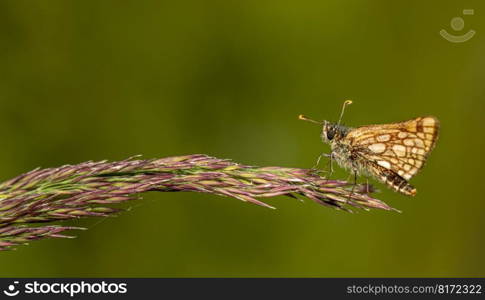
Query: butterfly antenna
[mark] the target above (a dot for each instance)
(347, 102)
(304, 118)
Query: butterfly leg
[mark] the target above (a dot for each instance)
(354, 185)
(315, 166)
(354, 169)
(330, 162)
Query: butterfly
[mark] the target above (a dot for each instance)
(392, 153)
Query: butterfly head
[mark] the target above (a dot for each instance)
(332, 132)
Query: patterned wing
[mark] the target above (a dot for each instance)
(399, 147)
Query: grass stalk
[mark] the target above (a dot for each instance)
(89, 189)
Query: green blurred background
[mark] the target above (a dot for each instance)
(93, 80)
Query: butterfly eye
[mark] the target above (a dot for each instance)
(330, 134)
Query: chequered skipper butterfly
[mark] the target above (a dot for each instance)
(391, 153)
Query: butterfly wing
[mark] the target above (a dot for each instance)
(401, 148)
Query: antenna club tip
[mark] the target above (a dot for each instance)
(348, 102)
(305, 118)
